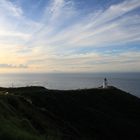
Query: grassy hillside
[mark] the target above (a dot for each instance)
(36, 113)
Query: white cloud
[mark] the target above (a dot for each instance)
(50, 43)
(97, 29)
(9, 9)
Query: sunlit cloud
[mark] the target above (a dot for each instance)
(66, 39)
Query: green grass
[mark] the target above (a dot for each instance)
(64, 115)
(13, 126)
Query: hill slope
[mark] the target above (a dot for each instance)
(36, 113)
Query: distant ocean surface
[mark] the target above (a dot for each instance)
(129, 82)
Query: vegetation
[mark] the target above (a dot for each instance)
(36, 113)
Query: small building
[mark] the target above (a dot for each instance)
(105, 83)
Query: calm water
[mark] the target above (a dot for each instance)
(129, 82)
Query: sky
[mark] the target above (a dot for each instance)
(69, 36)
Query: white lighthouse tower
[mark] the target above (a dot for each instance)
(105, 83)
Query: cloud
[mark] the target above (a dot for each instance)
(94, 29)
(55, 42)
(13, 66)
(15, 27)
(9, 9)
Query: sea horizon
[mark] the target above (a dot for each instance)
(127, 81)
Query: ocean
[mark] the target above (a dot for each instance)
(129, 82)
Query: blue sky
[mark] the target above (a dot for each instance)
(70, 36)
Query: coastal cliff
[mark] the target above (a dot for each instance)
(36, 113)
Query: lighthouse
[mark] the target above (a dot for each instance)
(105, 83)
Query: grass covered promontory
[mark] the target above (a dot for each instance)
(36, 113)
